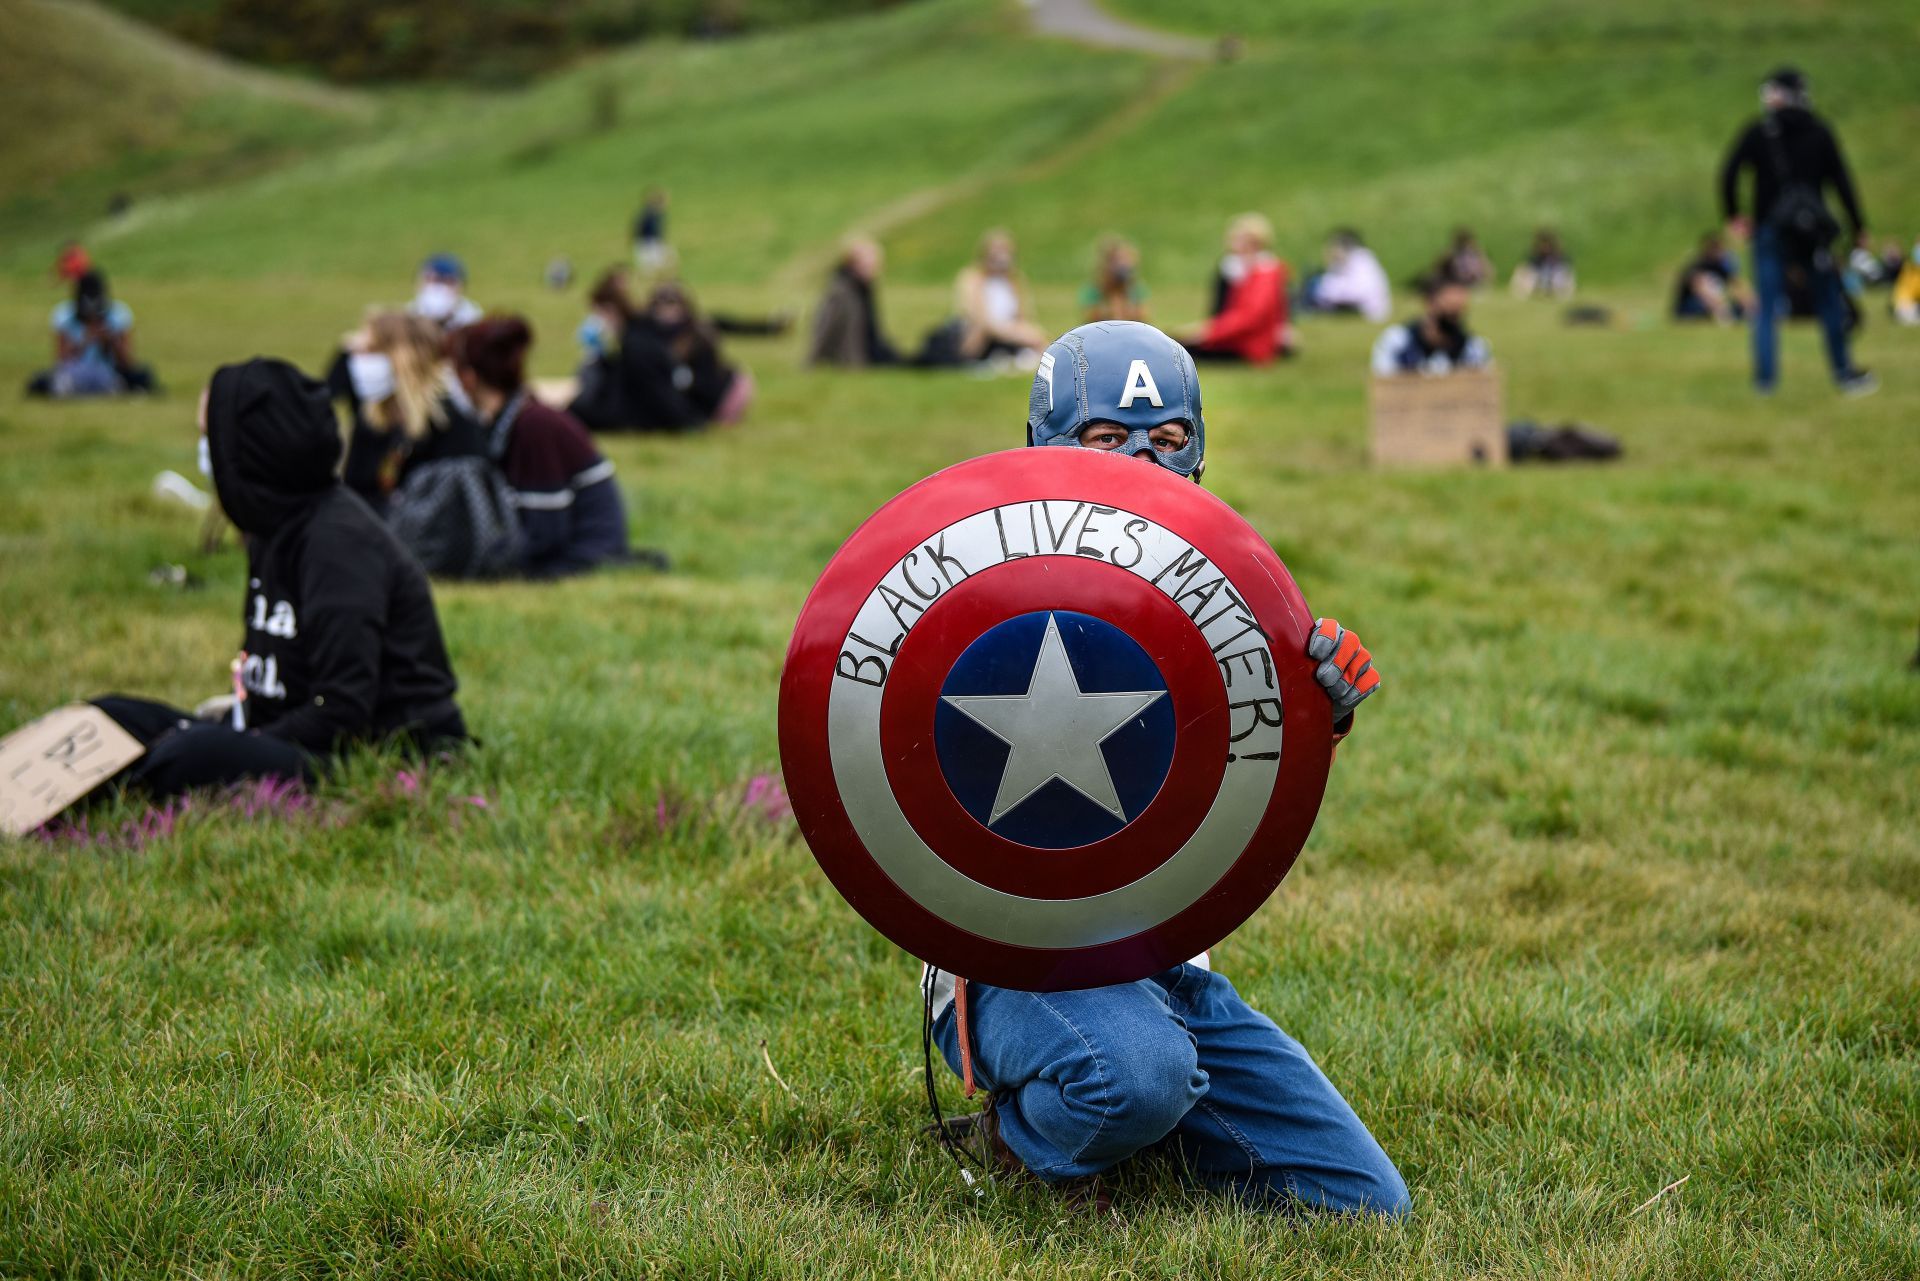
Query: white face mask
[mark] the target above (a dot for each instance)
(206, 459)
(436, 300)
(372, 376)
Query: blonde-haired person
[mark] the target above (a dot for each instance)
(994, 304)
(1250, 299)
(1115, 292)
(408, 407)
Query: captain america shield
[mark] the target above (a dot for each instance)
(1048, 722)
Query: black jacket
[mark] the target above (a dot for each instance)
(635, 389)
(342, 641)
(1811, 155)
(378, 461)
(846, 326)
(698, 371)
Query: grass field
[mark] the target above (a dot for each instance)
(1618, 882)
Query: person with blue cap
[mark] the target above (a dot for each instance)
(1080, 1081)
(441, 294)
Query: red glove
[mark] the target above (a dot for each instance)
(1346, 668)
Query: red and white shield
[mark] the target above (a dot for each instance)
(1048, 721)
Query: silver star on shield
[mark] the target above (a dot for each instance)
(1055, 730)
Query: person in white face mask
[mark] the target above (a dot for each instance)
(357, 375)
(441, 294)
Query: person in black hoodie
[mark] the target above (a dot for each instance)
(342, 642)
(1795, 158)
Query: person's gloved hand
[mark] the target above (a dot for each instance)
(1345, 671)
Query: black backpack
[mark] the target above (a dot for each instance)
(1799, 216)
(458, 517)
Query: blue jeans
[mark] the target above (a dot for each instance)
(1084, 1080)
(1770, 282)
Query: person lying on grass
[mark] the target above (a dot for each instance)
(1081, 1081)
(342, 641)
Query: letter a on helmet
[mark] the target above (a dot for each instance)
(1120, 372)
(1140, 383)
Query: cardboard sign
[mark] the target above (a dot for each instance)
(1439, 420)
(48, 764)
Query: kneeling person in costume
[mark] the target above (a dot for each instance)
(1079, 1081)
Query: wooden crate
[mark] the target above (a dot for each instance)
(1442, 420)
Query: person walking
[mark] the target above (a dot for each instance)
(1795, 158)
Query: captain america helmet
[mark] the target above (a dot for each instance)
(1121, 372)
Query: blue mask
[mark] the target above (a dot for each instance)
(1122, 372)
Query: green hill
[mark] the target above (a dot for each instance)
(1527, 113)
(98, 106)
(1617, 883)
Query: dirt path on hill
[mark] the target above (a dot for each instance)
(1080, 20)
(1086, 22)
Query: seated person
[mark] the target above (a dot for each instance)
(1465, 261)
(409, 410)
(571, 512)
(1906, 289)
(1250, 299)
(440, 293)
(1115, 292)
(92, 346)
(628, 380)
(342, 642)
(1874, 268)
(994, 305)
(439, 297)
(1709, 286)
(1352, 281)
(1436, 341)
(718, 392)
(1547, 271)
(846, 324)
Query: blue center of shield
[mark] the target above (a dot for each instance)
(1054, 729)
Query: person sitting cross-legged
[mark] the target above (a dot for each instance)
(1080, 1081)
(92, 346)
(1437, 340)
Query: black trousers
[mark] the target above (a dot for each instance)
(183, 753)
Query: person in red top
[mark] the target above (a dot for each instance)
(1250, 308)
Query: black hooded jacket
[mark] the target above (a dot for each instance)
(342, 641)
(1807, 153)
